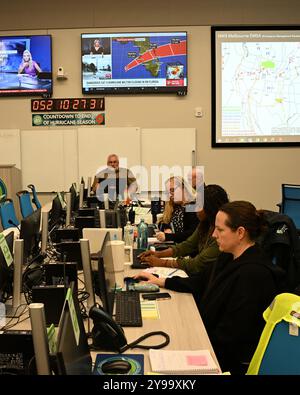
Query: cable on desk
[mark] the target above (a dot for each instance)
(136, 344)
(8, 325)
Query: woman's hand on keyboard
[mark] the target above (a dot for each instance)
(145, 254)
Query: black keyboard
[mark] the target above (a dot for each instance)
(128, 308)
(137, 264)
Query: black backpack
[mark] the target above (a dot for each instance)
(281, 243)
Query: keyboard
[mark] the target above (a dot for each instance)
(128, 308)
(137, 264)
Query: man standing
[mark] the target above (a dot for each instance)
(114, 180)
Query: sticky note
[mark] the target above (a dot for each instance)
(196, 360)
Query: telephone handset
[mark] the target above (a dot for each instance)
(109, 336)
(106, 333)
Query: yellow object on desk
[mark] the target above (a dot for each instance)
(150, 309)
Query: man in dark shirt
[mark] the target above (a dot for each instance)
(114, 180)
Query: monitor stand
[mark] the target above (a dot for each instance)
(17, 285)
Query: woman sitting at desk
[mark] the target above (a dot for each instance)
(28, 66)
(201, 245)
(179, 217)
(232, 293)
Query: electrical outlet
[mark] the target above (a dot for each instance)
(198, 112)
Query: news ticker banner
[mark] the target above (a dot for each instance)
(68, 119)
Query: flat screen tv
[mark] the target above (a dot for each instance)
(255, 86)
(134, 62)
(25, 65)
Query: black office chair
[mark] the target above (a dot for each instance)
(290, 204)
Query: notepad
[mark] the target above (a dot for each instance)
(183, 362)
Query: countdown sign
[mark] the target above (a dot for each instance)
(71, 104)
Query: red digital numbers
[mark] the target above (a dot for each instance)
(80, 104)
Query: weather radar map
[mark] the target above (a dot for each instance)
(139, 61)
(257, 86)
(147, 57)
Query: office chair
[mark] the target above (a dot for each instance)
(290, 204)
(3, 190)
(25, 203)
(278, 350)
(35, 199)
(7, 214)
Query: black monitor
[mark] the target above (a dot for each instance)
(73, 354)
(57, 213)
(106, 276)
(65, 234)
(74, 198)
(93, 202)
(70, 252)
(86, 212)
(84, 222)
(6, 272)
(112, 219)
(30, 233)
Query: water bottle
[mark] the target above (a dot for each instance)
(128, 234)
(142, 241)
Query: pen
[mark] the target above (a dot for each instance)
(174, 271)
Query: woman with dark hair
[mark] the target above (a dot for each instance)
(200, 244)
(232, 293)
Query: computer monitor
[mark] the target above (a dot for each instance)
(112, 219)
(74, 198)
(86, 212)
(73, 354)
(106, 276)
(57, 213)
(30, 233)
(70, 252)
(84, 222)
(93, 202)
(65, 235)
(6, 272)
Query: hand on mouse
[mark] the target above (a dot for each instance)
(150, 278)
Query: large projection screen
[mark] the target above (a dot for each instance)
(255, 86)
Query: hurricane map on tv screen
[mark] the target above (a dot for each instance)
(134, 61)
(25, 65)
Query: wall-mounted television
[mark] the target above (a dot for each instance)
(255, 86)
(134, 62)
(26, 65)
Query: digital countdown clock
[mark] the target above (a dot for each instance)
(58, 105)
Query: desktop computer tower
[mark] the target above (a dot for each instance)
(16, 353)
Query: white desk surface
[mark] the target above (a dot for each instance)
(179, 318)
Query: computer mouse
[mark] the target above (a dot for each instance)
(116, 366)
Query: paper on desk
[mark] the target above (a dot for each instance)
(150, 309)
(166, 272)
(141, 210)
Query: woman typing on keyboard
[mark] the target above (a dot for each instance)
(201, 245)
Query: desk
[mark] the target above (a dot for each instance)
(179, 318)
